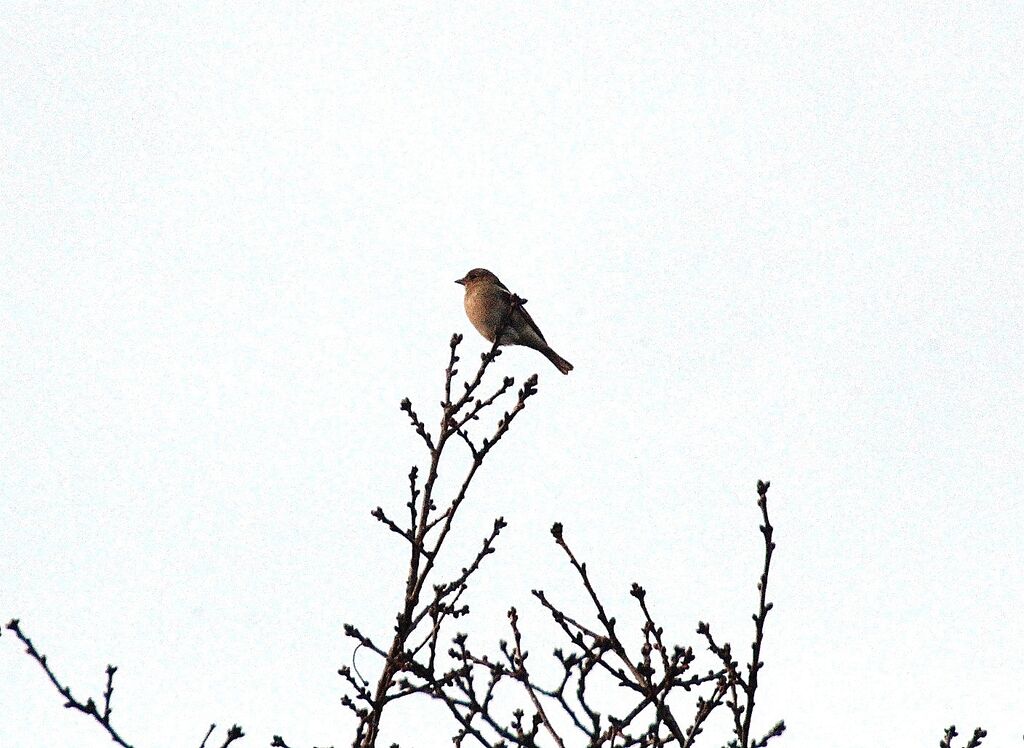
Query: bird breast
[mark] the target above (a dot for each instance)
(486, 306)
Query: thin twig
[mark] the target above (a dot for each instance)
(89, 706)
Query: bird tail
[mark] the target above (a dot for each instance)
(560, 363)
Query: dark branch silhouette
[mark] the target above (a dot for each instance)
(70, 702)
(89, 707)
(607, 693)
(654, 681)
(973, 742)
(430, 602)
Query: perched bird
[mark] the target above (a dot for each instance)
(492, 308)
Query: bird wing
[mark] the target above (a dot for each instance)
(529, 320)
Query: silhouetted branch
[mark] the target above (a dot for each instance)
(418, 624)
(208, 734)
(89, 706)
(234, 733)
(518, 661)
(653, 684)
(777, 729)
(974, 742)
(762, 612)
(656, 676)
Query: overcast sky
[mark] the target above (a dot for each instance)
(777, 243)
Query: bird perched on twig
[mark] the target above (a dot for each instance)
(492, 308)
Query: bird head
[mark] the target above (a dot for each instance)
(478, 275)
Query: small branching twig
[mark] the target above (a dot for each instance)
(518, 661)
(207, 736)
(70, 702)
(234, 733)
(762, 612)
(974, 742)
(777, 729)
(89, 707)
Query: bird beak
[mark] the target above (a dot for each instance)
(461, 281)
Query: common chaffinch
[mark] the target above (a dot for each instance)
(492, 308)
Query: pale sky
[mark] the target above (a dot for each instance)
(777, 244)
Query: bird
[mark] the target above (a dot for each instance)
(493, 309)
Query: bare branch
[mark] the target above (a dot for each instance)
(207, 736)
(428, 529)
(233, 734)
(974, 742)
(89, 706)
(762, 612)
(520, 674)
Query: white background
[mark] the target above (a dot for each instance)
(781, 244)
